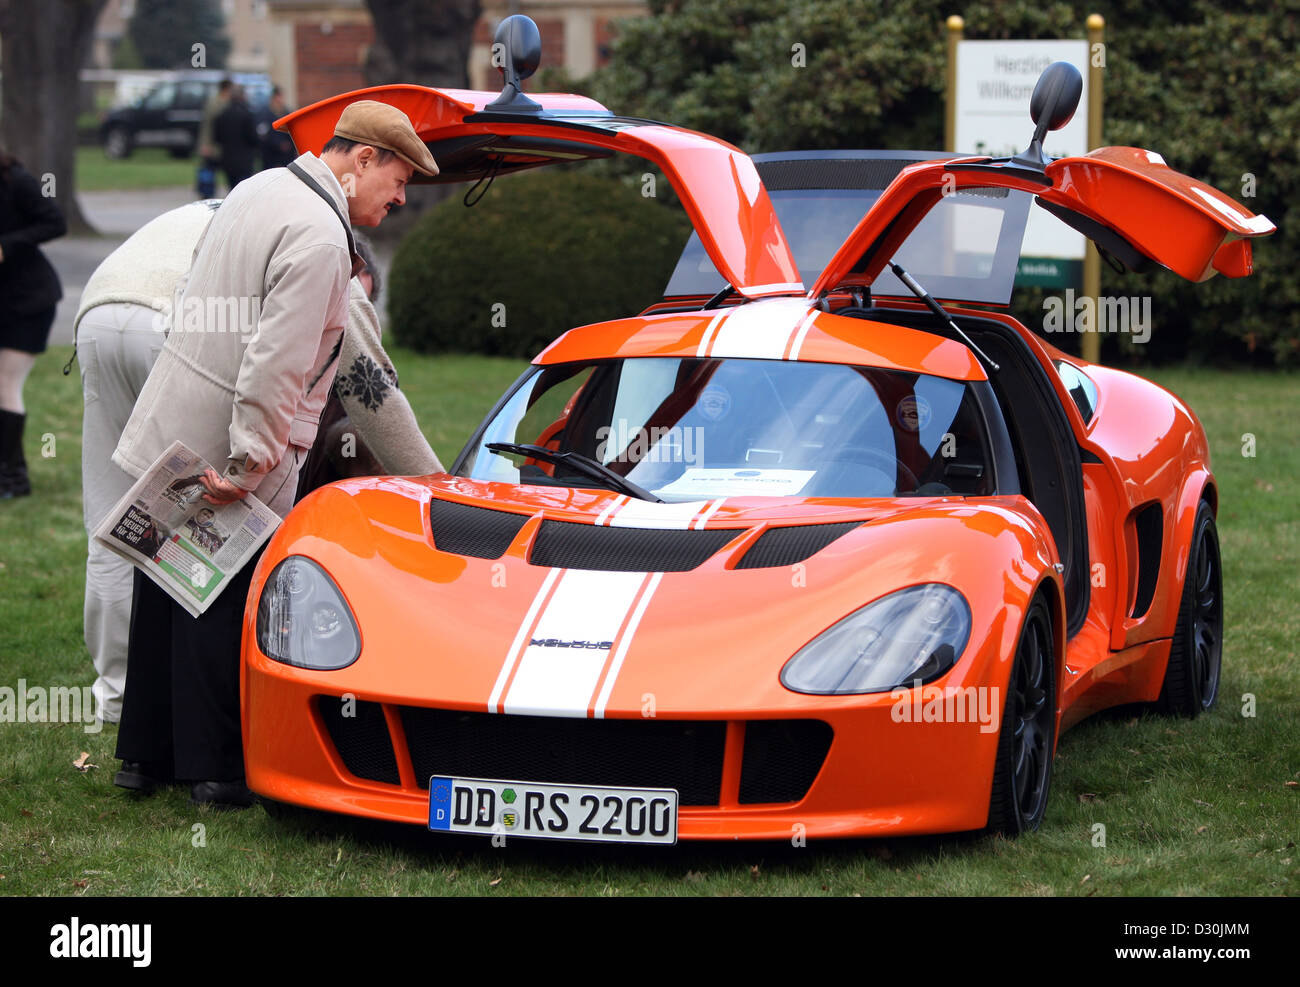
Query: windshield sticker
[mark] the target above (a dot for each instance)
(714, 403)
(702, 482)
(913, 413)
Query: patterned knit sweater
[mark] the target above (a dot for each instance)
(366, 384)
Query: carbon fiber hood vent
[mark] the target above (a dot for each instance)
(479, 532)
(588, 546)
(485, 533)
(785, 546)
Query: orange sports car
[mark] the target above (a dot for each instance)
(811, 548)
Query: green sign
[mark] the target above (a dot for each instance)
(1049, 272)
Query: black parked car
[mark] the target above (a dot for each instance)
(170, 113)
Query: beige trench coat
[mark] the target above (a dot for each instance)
(251, 352)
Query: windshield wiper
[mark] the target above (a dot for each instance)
(579, 463)
(938, 310)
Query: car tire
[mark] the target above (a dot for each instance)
(1022, 774)
(117, 143)
(284, 812)
(1191, 683)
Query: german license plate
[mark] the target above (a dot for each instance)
(556, 812)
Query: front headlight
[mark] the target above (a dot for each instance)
(303, 620)
(915, 634)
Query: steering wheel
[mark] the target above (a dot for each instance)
(893, 464)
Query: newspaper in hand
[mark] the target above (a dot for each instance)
(189, 547)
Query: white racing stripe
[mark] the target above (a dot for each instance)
(758, 289)
(707, 513)
(648, 514)
(604, 516)
(512, 656)
(800, 334)
(709, 330)
(621, 646)
(582, 611)
(587, 610)
(759, 330)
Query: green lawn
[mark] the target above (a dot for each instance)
(1189, 807)
(147, 167)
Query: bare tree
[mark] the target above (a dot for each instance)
(43, 47)
(426, 44)
(423, 43)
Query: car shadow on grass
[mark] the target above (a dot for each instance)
(563, 859)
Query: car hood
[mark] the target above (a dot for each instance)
(568, 602)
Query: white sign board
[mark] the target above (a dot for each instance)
(994, 82)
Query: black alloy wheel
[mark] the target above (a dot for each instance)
(1191, 683)
(1022, 775)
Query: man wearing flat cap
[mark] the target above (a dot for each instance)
(248, 363)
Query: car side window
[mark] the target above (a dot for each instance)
(161, 97)
(192, 94)
(1081, 388)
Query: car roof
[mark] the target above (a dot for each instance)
(773, 329)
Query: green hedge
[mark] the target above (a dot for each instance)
(541, 252)
(1213, 90)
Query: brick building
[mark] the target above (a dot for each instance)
(318, 48)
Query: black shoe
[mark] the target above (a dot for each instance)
(13, 467)
(221, 795)
(14, 483)
(139, 777)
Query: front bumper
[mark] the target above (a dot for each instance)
(831, 772)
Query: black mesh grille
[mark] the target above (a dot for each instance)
(477, 531)
(786, 546)
(846, 173)
(589, 546)
(362, 739)
(782, 758)
(681, 754)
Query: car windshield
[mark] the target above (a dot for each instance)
(691, 429)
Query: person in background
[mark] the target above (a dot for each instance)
(366, 404)
(234, 131)
(211, 110)
(29, 293)
(277, 146)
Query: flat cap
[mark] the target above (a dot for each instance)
(380, 125)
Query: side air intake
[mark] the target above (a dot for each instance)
(786, 546)
(480, 532)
